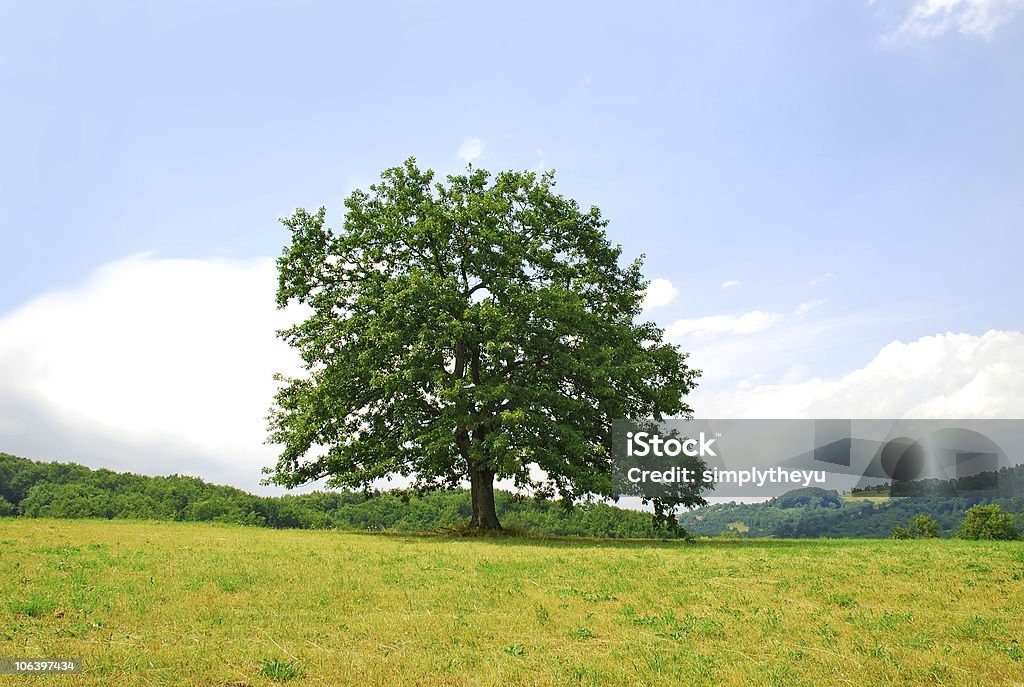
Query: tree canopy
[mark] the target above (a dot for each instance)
(473, 329)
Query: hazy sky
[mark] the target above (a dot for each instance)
(830, 195)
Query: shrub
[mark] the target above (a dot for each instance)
(987, 522)
(901, 532)
(924, 527)
(921, 527)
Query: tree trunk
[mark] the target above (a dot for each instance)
(485, 518)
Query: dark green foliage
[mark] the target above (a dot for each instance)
(60, 490)
(924, 527)
(1002, 483)
(809, 496)
(921, 527)
(987, 522)
(813, 512)
(473, 329)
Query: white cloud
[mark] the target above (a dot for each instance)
(730, 348)
(151, 365)
(747, 323)
(729, 284)
(542, 162)
(933, 18)
(807, 307)
(942, 376)
(471, 149)
(817, 281)
(659, 292)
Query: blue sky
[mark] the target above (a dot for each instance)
(852, 171)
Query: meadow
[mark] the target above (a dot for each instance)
(158, 603)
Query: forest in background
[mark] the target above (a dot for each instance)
(812, 512)
(67, 490)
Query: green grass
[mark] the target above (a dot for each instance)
(278, 670)
(191, 604)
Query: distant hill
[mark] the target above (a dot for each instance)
(813, 512)
(67, 490)
(809, 497)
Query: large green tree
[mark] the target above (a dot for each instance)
(473, 329)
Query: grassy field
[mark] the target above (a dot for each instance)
(187, 604)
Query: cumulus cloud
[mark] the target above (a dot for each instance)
(951, 375)
(471, 149)
(659, 292)
(153, 365)
(932, 18)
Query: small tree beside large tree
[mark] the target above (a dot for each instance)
(472, 330)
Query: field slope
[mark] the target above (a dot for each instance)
(194, 604)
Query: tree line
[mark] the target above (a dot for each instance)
(814, 512)
(67, 490)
